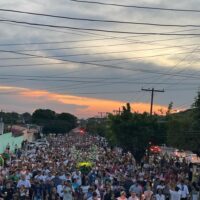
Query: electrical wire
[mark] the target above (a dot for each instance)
(100, 30)
(100, 20)
(138, 7)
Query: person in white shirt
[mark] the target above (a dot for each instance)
(161, 185)
(23, 186)
(94, 197)
(159, 195)
(175, 195)
(184, 190)
(23, 182)
(40, 176)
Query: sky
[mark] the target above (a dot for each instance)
(45, 67)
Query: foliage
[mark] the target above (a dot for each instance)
(96, 126)
(184, 128)
(10, 117)
(169, 110)
(54, 123)
(131, 131)
(134, 131)
(40, 116)
(27, 118)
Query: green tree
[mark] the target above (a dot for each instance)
(134, 131)
(169, 110)
(71, 119)
(53, 122)
(40, 116)
(96, 126)
(27, 117)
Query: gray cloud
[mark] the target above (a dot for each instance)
(23, 34)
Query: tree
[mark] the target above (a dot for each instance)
(96, 126)
(178, 127)
(183, 129)
(53, 122)
(71, 119)
(169, 110)
(40, 116)
(134, 131)
(196, 110)
(27, 117)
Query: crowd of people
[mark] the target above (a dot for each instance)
(52, 172)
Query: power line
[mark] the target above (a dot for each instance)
(102, 53)
(81, 33)
(91, 46)
(97, 39)
(61, 42)
(100, 30)
(69, 79)
(100, 65)
(179, 62)
(99, 20)
(101, 60)
(136, 6)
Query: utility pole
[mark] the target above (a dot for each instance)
(152, 96)
(101, 114)
(117, 111)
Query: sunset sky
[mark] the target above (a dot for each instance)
(87, 72)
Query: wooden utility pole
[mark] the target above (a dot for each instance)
(152, 96)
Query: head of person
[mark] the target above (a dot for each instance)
(162, 182)
(23, 177)
(90, 190)
(94, 196)
(177, 189)
(122, 194)
(159, 191)
(182, 182)
(68, 182)
(54, 190)
(133, 194)
(8, 185)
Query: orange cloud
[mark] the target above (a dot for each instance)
(87, 106)
(84, 106)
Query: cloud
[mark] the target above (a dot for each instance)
(175, 63)
(79, 105)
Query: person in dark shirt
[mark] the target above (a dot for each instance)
(38, 190)
(53, 195)
(108, 194)
(8, 192)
